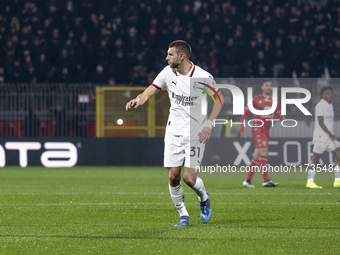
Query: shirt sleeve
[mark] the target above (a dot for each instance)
(319, 110)
(214, 87)
(213, 84)
(160, 81)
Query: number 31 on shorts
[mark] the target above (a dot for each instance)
(195, 152)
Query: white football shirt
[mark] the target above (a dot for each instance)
(183, 98)
(325, 109)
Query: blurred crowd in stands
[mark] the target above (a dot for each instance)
(124, 42)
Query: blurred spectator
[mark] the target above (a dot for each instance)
(102, 54)
(2, 75)
(229, 59)
(262, 72)
(55, 45)
(84, 53)
(245, 38)
(120, 68)
(15, 73)
(80, 74)
(44, 67)
(30, 75)
(64, 76)
(99, 76)
(334, 60)
(306, 71)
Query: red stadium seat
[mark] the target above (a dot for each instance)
(46, 128)
(16, 129)
(91, 128)
(3, 128)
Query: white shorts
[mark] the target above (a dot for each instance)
(180, 151)
(321, 147)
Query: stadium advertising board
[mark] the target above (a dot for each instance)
(48, 154)
(105, 152)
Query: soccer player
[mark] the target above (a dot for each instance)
(181, 148)
(261, 134)
(323, 137)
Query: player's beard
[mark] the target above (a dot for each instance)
(176, 64)
(268, 93)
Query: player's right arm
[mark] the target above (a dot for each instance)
(142, 98)
(324, 128)
(153, 89)
(243, 119)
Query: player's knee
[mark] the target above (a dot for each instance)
(189, 180)
(263, 153)
(174, 179)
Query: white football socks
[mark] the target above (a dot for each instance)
(177, 196)
(200, 190)
(311, 175)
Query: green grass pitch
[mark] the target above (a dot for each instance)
(128, 210)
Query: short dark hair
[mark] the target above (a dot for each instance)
(324, 89)
(181, 47)
(267, 80)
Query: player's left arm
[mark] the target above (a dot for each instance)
(205, 134)
(324, 128)
(277, 112)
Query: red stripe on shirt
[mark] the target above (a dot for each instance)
(156, 86)
(192, 72)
